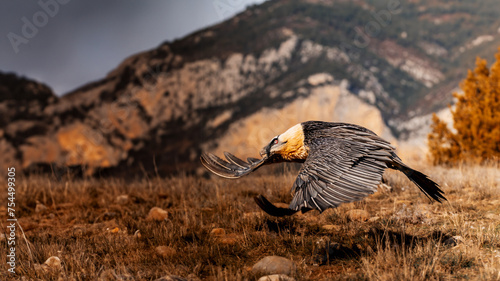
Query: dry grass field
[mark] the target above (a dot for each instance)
(394, 234)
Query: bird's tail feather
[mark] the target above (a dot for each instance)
(425, 184)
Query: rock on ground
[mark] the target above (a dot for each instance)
(53, 262)
(331, 227)
(40, 207)
(50, 265)
(274, 265)
(453, 241)
(122, 199)
(165, 251)
(218, 232)
(157, 214)
(276, 277)
(327, 250)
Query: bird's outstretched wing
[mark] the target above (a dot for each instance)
(234, 167)
(340, 169)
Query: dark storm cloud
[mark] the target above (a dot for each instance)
(79, 41)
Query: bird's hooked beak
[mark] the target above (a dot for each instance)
(266, 151)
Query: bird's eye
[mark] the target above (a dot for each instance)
(275, 141)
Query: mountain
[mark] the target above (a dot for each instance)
(233, 86)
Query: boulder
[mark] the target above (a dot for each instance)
(276, 277)
(274, 265)
(157, 214)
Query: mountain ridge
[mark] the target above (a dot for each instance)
(158, 109)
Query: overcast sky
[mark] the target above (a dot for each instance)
(67, 43)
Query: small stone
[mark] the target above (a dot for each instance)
(107, 275)
(40, 207)
(109, 215)
(332, 227)
(41, 268)
(453, 241)
(54, 263)
(115, 230)
(229, 239)
(78, 231)
(326, 250)
(165, 251)
(374, 219)
(218, 232)
(157, 214)
(276, 277)
(122, 199)
(221, 237)
(274, 265)
(358, 215)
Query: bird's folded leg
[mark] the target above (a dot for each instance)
(271, 209)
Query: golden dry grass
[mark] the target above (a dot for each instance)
(404, 239)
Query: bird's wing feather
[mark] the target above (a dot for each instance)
(234, 167)
(342, 168)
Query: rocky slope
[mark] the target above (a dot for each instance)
(235, 85)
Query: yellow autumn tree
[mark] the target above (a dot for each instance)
(476, 120)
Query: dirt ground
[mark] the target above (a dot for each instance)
(103, 229)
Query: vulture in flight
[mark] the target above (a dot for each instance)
(341, 163)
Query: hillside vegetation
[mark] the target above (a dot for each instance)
(475, 119)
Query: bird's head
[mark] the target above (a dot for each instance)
(289, 145)
(274, 147)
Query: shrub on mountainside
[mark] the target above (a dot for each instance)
(476, 119)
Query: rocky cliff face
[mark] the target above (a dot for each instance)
(231, 87)
(23, 103)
